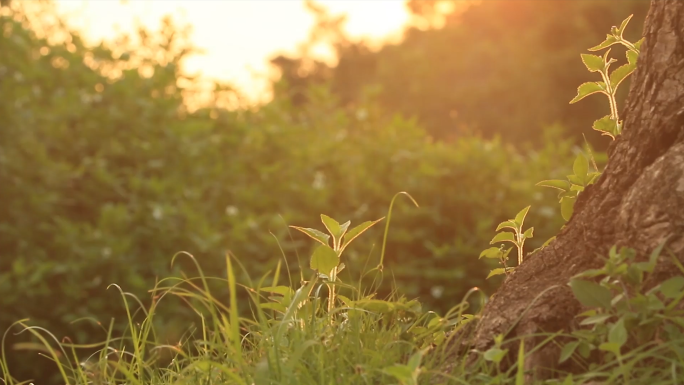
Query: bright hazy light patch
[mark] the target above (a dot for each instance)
(237, 36)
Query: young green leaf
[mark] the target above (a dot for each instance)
(588, 88)
(506, 224)
(356, 231)
(336, 230)
(333, 228)
(503, 236)
(592, 62)
(529, 233)
(632, 57)
(637, 45)
(315, 234)
(520, 217)
(567, 207)
(610, 347)
(606, 126)
(581, 166)
(618, 333)
(495, 354)
(577, 182)
(610, 40)
(343, 229)
(620, 74)
(324, 260)
(497, 271)
(591, 294)
(596, 319)
(562, 185)
(492, 252)
(567, 351)
(623, 25)
(672, 288)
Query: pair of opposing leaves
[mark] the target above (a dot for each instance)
(517, 238)
(326, 259)
(570, 188)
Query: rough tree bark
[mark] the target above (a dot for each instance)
(637, 202)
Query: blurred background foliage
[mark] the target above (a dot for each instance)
(105, 173)
(495, 67)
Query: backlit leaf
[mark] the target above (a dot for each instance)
(358, 230)
(492, 252)
(606, 126)
(586, 89)
(324, 260)
(503, 236)
(497, 271)
(581, 166)
(637, 45)
(610, 40)
(520, 217)
(562, 185)
(332, 225)
(577, 182)
(506, 224)
(620, 74)
(592, 62)
(623, 25)
(529, 233)
(567, 207)
(315, 234)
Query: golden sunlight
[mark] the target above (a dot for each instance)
(239, 36)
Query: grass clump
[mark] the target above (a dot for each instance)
(291, 337)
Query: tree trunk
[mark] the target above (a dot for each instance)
(638, 201)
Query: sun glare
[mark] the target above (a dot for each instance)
(237, 36)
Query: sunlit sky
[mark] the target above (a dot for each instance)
(238, 36)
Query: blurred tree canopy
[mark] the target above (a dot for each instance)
(497, 67)
(105, 173)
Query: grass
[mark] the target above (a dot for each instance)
(293, 335)
(291, 338)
